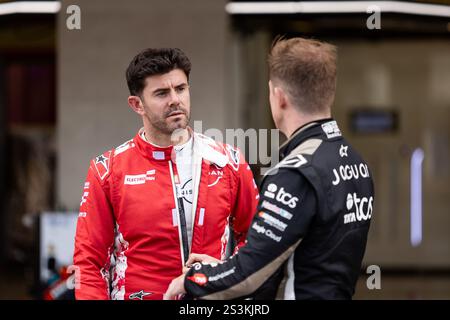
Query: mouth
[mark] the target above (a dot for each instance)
(175, 114)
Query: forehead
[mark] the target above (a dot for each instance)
(166, 80)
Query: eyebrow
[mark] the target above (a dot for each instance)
(158, 90)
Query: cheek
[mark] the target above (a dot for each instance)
(154, 110)
(187, 101)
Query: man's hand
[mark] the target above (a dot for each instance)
(176, 288)
(203, 258)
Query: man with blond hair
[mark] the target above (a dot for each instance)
(315, 205)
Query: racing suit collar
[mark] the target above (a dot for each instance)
(151, 150)
(204, 147)
(300, 134)
(208, 150)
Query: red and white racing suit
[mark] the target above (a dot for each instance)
(128, 240)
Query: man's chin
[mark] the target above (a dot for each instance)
(177, 125)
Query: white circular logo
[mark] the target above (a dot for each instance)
(197, 266)
(349, 201)
(272, 187)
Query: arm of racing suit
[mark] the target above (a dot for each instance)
(94, 239)
(245, 203)
(285, 210)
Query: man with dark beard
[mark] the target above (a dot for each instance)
(169, 191)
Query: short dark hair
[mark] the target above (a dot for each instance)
(151, 62)
(307, 70)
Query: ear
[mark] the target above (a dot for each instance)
(281, 97)
(136, 104)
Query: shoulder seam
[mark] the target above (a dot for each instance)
(308, 147)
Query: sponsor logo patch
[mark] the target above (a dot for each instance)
(217, 174)
(361, 208)
(331, 129)
(349, 172)
(270, 192)
(198, 278)
(139, 178)
(197, 266)
(343, 151)
(139, 295)
(221, 275)
(286, 199)
(267, 232)
(281, 196)
(158, 155)
(272, 221)
(84, 197)
(293, 162)
(275, 209)
(185, 192)
(101, 163)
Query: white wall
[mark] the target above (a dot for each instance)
(411, 77)
(93, 114)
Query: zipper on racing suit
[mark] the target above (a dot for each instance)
(181, 216)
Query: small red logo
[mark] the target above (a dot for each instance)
(199, 278)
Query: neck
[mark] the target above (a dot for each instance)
(164, 140)
(296, 120)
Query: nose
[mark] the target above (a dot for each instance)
(174, 97)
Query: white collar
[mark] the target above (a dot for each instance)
(203, 147)
(187, 145)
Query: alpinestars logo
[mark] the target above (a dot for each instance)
(199, 278)
(102, 159)
(139, 295)
(362, 208)
(101, 164)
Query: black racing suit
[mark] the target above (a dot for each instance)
(313, 218)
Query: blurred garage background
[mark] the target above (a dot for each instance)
(63, 101)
